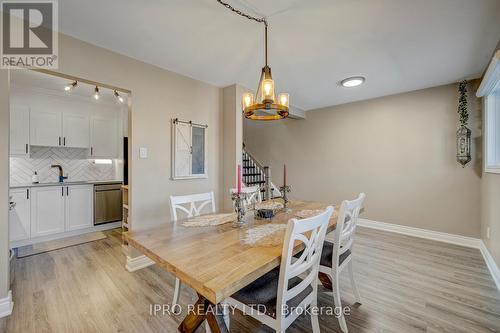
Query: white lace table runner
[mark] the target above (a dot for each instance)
(210, 220)
(306, 213)
(268, 205)
(265, 235)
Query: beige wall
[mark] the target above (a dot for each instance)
(399, 149)
(232, 137)
(4, 183)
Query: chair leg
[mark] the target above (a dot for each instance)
(225, 310)
(353, 283)
(314, 317)
(177, 291)
(338, 303)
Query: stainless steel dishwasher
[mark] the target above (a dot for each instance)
(107, 203)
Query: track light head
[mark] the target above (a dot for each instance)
(119, 97)
(70, 86)
(96, 93)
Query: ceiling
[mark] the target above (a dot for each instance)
(399, 45)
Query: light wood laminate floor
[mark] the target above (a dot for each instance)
(407, 285)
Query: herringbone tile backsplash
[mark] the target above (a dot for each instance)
(73, 160)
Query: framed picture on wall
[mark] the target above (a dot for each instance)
(189, 150)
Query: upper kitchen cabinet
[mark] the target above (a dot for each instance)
(104, 136)
(19, 130)
(76, 130)
(45, 127)
(59, 122)
(49, 118)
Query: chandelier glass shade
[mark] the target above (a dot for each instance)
(264, 105)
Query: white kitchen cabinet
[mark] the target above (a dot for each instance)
(79, 207)
(47, 210)
(19, 215)
(19, 130)
(76, 130)
(104, 137)
(45, 127)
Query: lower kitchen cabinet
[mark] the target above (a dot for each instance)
(47, 210)
(42, 211)
(19, 215)
(79, 207)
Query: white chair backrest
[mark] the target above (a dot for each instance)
(253, 194)
(311, 232)
(196, 203)
(346, 226)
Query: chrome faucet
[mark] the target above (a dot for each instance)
(61, 175)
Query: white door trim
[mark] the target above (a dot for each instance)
(6, 305)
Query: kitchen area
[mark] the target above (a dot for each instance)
(68, 152)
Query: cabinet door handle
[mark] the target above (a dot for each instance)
(67, 190)
(27, 194)
(62, 191)
(64, 141)
(59, 141)
(26, 148)
(91, 151)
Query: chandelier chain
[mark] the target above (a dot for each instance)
(239, 12)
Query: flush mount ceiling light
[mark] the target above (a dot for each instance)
(353, 81)
(96, 93)
(258, 106)
(119, 98)
(70, 86)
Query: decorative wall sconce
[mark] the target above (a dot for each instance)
(463, 133)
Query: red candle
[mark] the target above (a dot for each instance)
(239, 178)
(284, 174)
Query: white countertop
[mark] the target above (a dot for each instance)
(68, 183)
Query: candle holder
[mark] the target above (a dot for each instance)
(239, 208)
(284, 190)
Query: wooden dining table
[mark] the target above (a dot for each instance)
(214, 260)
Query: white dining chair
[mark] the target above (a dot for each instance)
(191, 205)
(337, 254)
(277, 298)
(253, 194)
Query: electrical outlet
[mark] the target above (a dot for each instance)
(488, 233)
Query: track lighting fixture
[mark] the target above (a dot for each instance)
(96, 93)
(70, 86)
(118, 97)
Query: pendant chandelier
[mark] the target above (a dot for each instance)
(263, 105)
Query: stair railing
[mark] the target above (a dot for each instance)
(256, 174)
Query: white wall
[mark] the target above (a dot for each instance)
(399, 149)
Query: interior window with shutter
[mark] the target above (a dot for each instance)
(189, 155)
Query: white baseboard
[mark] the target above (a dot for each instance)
(140, 262)
(422, 233)
(6, 305)
(492, 265)
(475, 243)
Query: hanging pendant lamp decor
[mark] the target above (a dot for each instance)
(263, 105)
(463, 133)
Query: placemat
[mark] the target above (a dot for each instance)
(210, 220)
(265, 235)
